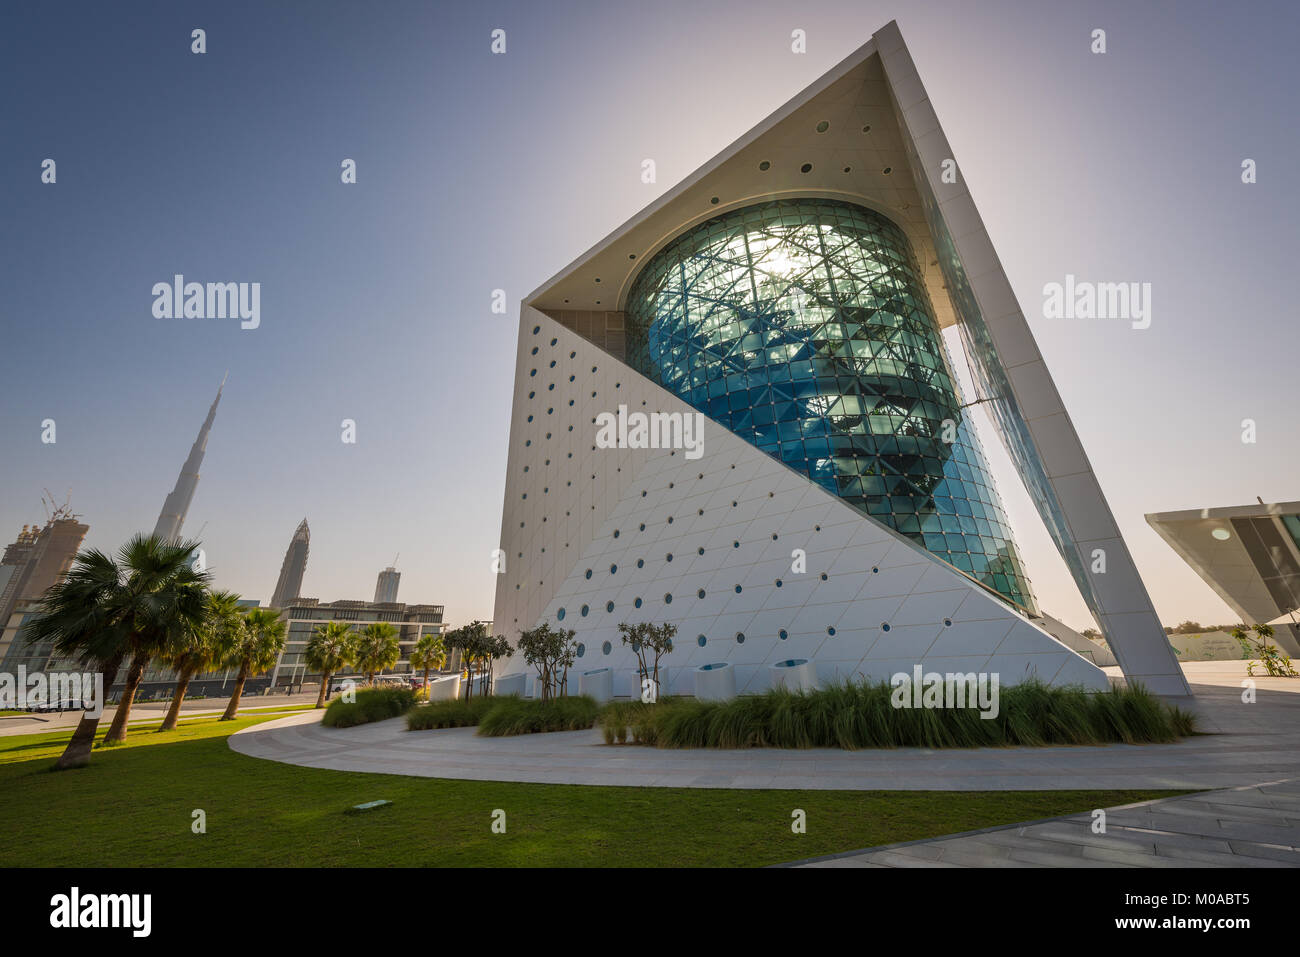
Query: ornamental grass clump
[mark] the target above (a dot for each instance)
(859, 714)
(371, 704)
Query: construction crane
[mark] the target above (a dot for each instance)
(55, 513)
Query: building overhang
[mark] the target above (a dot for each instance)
(843, 128)
(1245, 553)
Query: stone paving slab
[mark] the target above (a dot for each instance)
(1186, 831)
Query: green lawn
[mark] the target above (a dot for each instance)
(131, 807)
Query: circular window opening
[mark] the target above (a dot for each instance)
(582, 649)
(1222, 534)
(583, 611)
(609, 606)
(823, 126)
(668, 599)
(636, 603)
(806, 168)
(559, 615)
(606, 648)
(784, 634)
(765, 166)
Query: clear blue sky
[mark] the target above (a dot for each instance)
(478, 171)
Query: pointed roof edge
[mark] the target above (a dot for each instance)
(819, 85)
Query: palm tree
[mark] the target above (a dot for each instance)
(107, 608)
(377, 649)
(200, 650)
(429, 652)
(256, 648)
(331, 648)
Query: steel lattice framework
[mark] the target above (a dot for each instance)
(803, 326)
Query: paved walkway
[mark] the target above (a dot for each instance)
(144, 712)
(1243, 827)
(1251, 744)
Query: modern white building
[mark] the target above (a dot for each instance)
(823, 497)
(1249, 555)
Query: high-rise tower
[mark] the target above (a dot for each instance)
(295, 564)
(31, 565)
(386, 586)
(172, 516)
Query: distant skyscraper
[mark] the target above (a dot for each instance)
(386, 587)
(31, 565)
(295, 564)
(173, 512)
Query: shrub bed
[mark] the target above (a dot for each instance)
(858, 715)
(371, 704)
(455, 713)
(513, 715)
(500, 715)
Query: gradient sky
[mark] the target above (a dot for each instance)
(478, 171)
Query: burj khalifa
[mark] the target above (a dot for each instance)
(172, 516)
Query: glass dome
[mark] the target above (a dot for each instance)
(804, 326)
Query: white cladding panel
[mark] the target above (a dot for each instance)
(732, 518)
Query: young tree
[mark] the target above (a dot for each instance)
(430, 652)
(107, 608)
(199, 650)
(331, 648)
(377, 649)
(478, 648)
(645, 640)
(256, 648)
(552, 652)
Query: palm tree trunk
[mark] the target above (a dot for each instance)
(174, 712)
(117, 730)
(324, 686)
(233, 708)
(77, 753)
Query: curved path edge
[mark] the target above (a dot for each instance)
(1251, 744)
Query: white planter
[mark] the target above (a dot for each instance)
(635, 688)
(510, 684)
(794, 674)
(598, 684)
(715, 682)
(445, 688)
